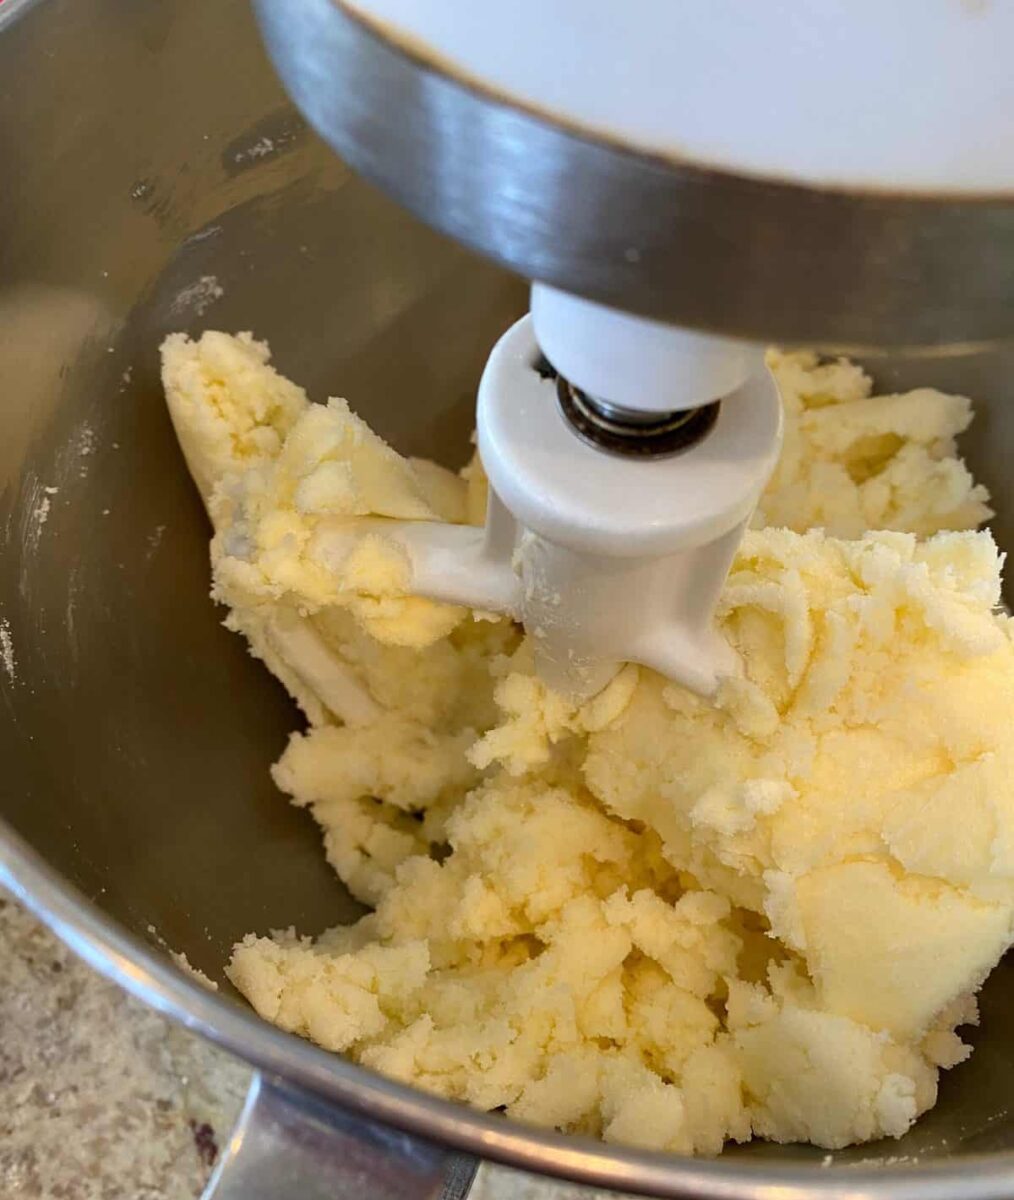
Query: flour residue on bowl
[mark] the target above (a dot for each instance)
(195, 973)
(260, 149)
(40, 513)
(83, 445)
(154, 540)
(84, 441)
(180, 959)
(197, 297)
(42, 510)
(7, 650)
(37, 508)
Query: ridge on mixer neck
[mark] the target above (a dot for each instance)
(608, 533)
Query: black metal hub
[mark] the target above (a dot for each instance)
(629, 432)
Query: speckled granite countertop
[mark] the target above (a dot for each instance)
(102, 1099)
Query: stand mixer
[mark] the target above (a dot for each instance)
(679, 195)
(136, 776)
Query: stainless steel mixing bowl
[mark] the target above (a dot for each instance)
(153, 178)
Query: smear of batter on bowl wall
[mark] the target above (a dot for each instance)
(648, 918)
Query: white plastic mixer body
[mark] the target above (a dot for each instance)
(623, 475)
(606, 555)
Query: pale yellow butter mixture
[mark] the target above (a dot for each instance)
(668, 923)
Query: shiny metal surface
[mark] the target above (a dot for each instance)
(135, 733)
(285, 1145)
(634, 434)
(664, 238)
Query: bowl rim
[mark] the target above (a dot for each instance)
(145, 973)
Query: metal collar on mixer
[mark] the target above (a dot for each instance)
(630, 433)
(625, 431)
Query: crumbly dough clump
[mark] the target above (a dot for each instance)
(664, 922)
(852, 461)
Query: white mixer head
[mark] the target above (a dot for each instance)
(723, 166)
(914, 96)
